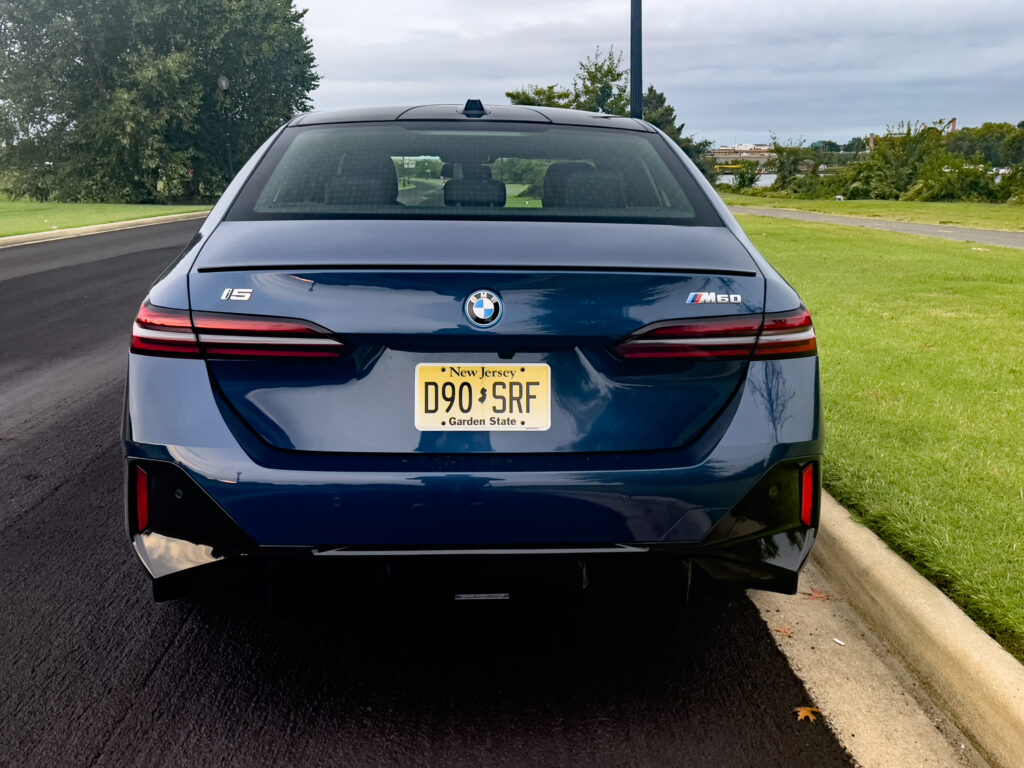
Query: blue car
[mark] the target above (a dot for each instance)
(497, 350)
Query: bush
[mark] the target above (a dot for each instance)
(867, 180)
(1012, 185)
(913, 161)
(945, 176)
(811, 186)
(789, 158)
(894, 164)
(746, 175)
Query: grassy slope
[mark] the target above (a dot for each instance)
(980, 215)
(922, 347)
(19, 218)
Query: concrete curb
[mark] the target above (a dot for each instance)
(968, 674)
(95, 229)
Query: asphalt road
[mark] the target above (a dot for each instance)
(93, 673)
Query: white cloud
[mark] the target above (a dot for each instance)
(734, 69)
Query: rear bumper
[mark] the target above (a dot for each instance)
(711, 503)
(180, 568)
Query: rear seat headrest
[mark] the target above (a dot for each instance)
(476, 172)
(485, 193)
(593, 189)
(364, 180)
(553, 194)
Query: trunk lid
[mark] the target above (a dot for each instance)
(396, 291)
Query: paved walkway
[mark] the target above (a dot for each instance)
(964, 234)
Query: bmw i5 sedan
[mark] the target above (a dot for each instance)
(524, 348)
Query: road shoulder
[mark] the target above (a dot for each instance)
(95, 229)
(34, 257)
(878, 711)
(962, 670)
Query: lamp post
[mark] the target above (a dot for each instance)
(222, 84)
(636, 76)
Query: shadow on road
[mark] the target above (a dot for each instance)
(609, 682)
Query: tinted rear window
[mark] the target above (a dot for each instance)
(472, 170)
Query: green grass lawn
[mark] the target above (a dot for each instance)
(22, 217)
(922, 353)
(980, 215)
(522, 202)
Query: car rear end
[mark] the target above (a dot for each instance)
(511, 349)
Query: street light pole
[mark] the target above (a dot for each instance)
(636, 76)
(223, 83)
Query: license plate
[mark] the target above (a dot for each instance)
(457, 397)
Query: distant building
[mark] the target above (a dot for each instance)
(761, 153)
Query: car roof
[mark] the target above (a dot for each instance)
(455, 112)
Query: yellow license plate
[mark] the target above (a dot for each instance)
(483, 397)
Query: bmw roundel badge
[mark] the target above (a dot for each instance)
(483, 308)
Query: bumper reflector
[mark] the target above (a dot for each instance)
(141, 498)
(807, 493)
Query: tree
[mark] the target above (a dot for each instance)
(856, 144)
(117, 100)
(790, 158)
(428, 168)
(541, 96)
(521, 171)
(659, 113)
(602, 85)
(746, 175)
(825, 145)
(1001, 144)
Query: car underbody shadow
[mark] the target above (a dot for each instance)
(610, 678)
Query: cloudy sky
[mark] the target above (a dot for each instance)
(734, 69)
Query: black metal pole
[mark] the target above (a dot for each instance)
(231, 162)
(636, 75)
(222, 84)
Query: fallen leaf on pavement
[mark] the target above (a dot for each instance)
(817, 594)
(806, 713)
(784, 631)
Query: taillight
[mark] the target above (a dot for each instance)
(787, 334)
(718, 337)
(161, 331)
(224, 335)
(746, 337)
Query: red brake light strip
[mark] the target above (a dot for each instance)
(782, 334)
(164, 332)
(172, 332)
(787, 334)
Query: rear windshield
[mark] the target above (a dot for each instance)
(472, 170)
